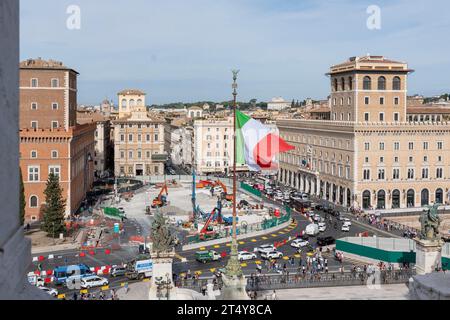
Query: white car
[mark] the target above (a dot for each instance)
(50, 291)
(93, 281)
(272, 255)
(244, 255)
(299, 243)
(345, 228)
(322, 227)
(347, 221)
(266, 248)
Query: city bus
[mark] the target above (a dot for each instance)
(266, 182)
(73, 272)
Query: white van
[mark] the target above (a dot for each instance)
(312, 229)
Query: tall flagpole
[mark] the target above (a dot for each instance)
(233, 268)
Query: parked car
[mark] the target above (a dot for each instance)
(118, 271)
(269, 255)
(50, 291)
(318, 207)
(345, 228)
(93, 281)
(244, 255)
(347, 221)
(299, 243)
(325, 241)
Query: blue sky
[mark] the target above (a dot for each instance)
(178, 50)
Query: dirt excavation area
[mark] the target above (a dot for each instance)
(413, 222)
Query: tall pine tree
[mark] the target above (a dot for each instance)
(21, 200)
(54, 208)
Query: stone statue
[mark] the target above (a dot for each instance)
(430, 222)
(163, 240)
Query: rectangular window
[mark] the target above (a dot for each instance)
(34, 83)
(396, 174)
(139, 154)
(380, 174)
(55, 83)
(410, 173)
(139, 137)
(396, 101)
(411, 146)
(381, 116)
(367, 146)
(396, 116)
(122, 137)
(55, 124)
(156, 137)
(424, 173)
(122, 154)
(33, 154)
(381, 159)
(34, 124)
(396, 145)
(366, 116)
(130, 137)
(381, 146)
(396, 159)
(34, 106)
(366, 100)
(55, 170)
(425, 146)
(440, 145)
(55, 106)
(366, 174)
(439, 173)
(382, 100)
(54, 154)
(33, 174)
(130, 154)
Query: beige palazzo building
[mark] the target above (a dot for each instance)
(370, 154)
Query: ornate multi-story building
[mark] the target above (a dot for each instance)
(139, 138)
(50, 139)
(369, 155)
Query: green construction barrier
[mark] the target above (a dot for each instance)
(250, 189)
(113, 213)
(445, 263)
(375, 253)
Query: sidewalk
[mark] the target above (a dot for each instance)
(385, 292)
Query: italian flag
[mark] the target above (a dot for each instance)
(256, 144)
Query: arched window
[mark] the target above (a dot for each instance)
(381, 199)
(335, 85)
(132, 103)
(366, 199)
(33, 202)
(396, 83)
(124, 103)
(381, 83)
(342, 84)
(439, 197)
(410, 198)
(395, 199)
(350, 83)
(367, 83)
(425, 196)
(139, 102)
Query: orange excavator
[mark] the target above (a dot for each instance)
(226, 196)
(161, 199)
(208, 231)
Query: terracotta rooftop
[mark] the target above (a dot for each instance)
(40, 63)
(427, 109)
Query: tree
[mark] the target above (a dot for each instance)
(293, 103)
(54, 208)
(21, 200)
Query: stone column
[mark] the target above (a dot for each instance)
(302, 183)
(15, 250)
(338, 194)
(162, 271)
(428, 255)
(318, 186)
(344, 202)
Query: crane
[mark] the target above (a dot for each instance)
(161, 200)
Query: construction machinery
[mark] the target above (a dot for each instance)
(225, 195)
(161, 199)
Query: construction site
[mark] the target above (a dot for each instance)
(198, 209)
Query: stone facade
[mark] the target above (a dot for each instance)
(139, 141)
(379, 162)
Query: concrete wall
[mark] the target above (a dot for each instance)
(15, 253)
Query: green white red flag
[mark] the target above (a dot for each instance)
(257, 145)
